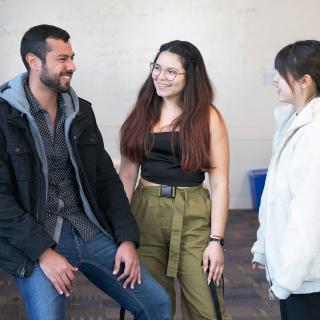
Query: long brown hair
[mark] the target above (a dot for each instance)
(193, 123)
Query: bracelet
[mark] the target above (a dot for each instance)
(215, 236)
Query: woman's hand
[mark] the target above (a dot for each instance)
(213, 262)
(256, 265)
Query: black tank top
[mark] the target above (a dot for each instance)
(162, 166)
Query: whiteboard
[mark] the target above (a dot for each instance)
(114, 41)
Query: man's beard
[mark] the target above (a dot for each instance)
(53, 81)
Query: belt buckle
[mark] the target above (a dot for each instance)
(167, 191)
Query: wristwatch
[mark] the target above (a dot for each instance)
(220, 240)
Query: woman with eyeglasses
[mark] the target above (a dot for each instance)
(288, 239)
(174, 134)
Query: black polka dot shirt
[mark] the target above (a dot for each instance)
(63, 194)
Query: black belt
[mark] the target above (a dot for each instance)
(163, 190)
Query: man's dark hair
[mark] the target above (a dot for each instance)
(34, 41)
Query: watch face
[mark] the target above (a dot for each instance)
(221, 241)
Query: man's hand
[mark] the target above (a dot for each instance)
(58, 270)
(127, 255)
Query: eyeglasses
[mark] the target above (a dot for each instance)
(170, 73)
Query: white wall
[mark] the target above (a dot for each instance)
(115, 40)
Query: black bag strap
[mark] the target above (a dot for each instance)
(122, 313)
(215, 298)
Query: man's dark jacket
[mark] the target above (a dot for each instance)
(22, 188)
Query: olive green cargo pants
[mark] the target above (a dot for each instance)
(174, 234)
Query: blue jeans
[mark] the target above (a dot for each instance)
(95, 259)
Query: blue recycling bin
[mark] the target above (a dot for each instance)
(257, 179)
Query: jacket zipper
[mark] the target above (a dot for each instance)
(83, 179)
(86, 189)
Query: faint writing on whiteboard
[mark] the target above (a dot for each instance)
(3, 2)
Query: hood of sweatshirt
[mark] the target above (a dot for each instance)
(13, 92)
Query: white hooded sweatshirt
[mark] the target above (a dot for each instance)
(288, 239)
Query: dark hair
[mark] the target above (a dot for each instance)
(193, 122)
(298, 59)
(34, 41)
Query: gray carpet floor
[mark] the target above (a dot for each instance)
(245, 289)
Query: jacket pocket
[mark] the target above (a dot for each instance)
(87, 144)
(89, 139)
(21, 157)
